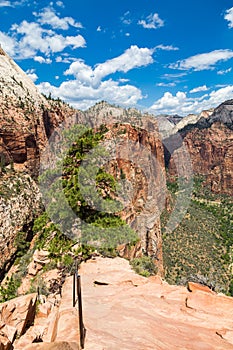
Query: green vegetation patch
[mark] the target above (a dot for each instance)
(201, 247)
(89, 191)
(144, 266)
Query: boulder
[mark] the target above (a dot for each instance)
(19, 312)
(41, 257)
(9, 332)
(192, 287)
(5, 343)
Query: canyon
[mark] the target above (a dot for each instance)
(142, 156)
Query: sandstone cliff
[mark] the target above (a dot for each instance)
(20, 204)
(137, 160)
(27, 118)
(208, 140)
(134, 156)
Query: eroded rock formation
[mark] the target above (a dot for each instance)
(27, 118)
(136, 160)
(20, 203)
(209, 142)
(15, 317)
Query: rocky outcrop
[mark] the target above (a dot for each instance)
(133, 154)
(136, 160)
(171, 125)
(209, 144)
(211, 151)
(20, 203)
(222, 114)
(122, 310)
(40, 258)
(15, 317)
(56, 325)
(127, 311)
(27, 118)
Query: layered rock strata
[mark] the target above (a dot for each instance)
(209, 142)
(20, 204)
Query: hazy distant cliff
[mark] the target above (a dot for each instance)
(209, 141)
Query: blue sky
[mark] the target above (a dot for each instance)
(161, 56)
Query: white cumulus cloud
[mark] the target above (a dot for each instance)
(32, 75)
(133, 57)
(166, 47)
(41, 59)
(181, 104)
(8, 43)
(49, 16)
(152, 22)
(83, 96)
(90, 86)
(229, 17)
(203, 61)
(198, 89)
(6, 3)
(65, 59)
(166, 84)
(30, 39)
(60, 4)
(224, 71)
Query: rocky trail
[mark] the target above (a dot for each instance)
(123, 310)
(51, 324)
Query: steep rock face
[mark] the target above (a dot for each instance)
(137, 160)
(144, 171)
(222, 114)
(27, 118)
(209, 143)
(19, 205)
(211, 151)
(171, 125)
(26, 121)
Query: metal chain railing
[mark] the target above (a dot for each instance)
(77, 297)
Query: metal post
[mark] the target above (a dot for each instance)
(77, 293)
(81, 325)
(74, 292)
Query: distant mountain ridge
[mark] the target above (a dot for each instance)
(222, 114)
(209, 141)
